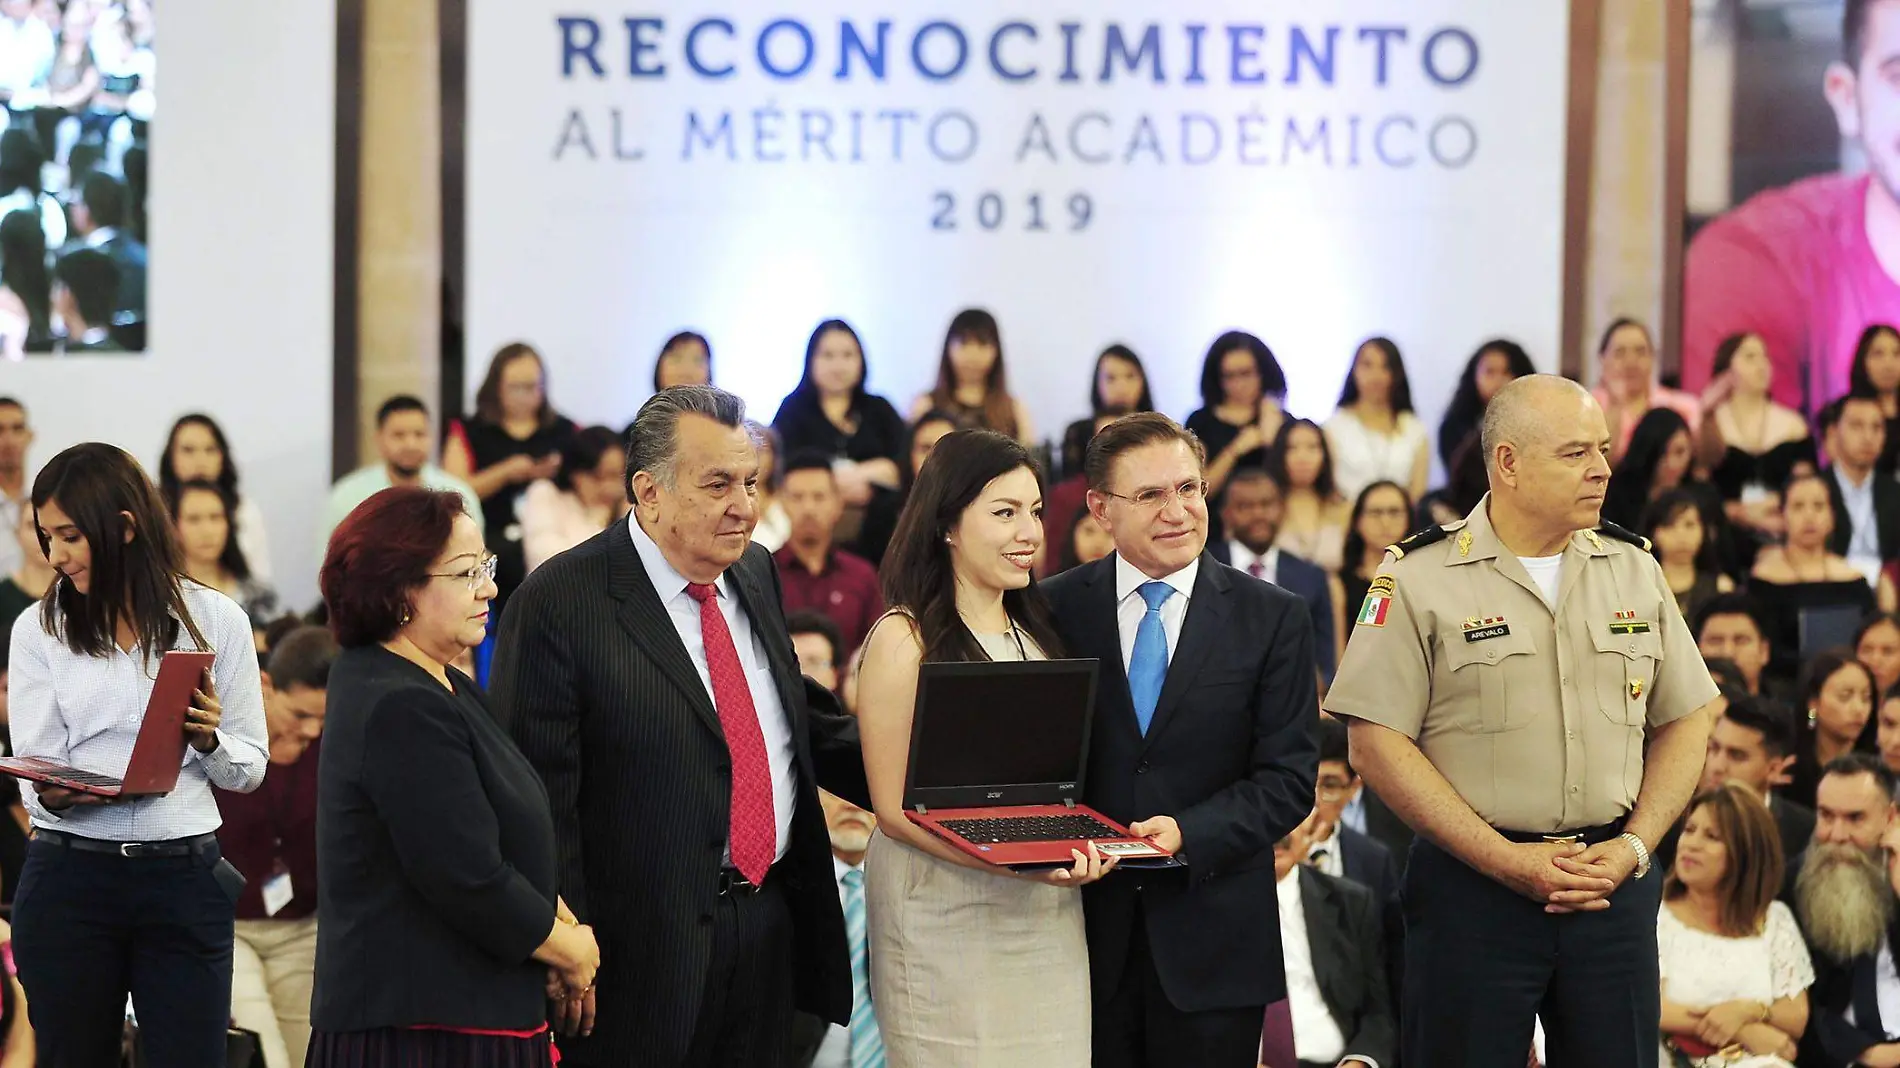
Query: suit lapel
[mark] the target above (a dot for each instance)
(1206, 615)
(641, 614)
(758, 601)
(1324, 926)
(1102, 639)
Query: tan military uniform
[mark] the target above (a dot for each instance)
(1535, 716)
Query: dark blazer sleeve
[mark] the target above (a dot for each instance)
(535, 692)
(1244, 820)
(1836, 1041)
(1843, 523)
(1323, 637)
(419, 769)
(1887, 516)
(1375, 1031)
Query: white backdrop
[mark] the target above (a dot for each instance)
(241, 277)
(607, 210)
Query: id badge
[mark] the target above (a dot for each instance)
(1755, 493)
(277, 893)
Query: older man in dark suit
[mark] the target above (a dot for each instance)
(1203, 738)
(649, 676)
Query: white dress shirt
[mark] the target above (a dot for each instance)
(85, 712)
(1129, 607)
(1326, 855)
(1863, 543)
(774, 724)
(1886, 993)
(1316, 1035)
(1243, 558)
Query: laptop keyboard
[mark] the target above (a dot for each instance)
(87, 778)
(1032, 829)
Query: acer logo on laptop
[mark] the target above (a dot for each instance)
(995, 793)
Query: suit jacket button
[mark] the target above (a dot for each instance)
(1141, 768)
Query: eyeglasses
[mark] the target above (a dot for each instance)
(1331, 789)
(477, 576)
(1155, 498)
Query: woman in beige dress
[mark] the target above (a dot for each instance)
(972, 966)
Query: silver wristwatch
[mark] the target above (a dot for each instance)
(1642, 853)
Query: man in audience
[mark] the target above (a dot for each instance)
(270, 836)
(15, 436)
(1251, 511)
(1730, 627)
(817, 1043)
(813, 571)
(1843, 894)
(99, 221)
(1333, 946)
(819, 647)
(87, 290)
(402, 439)
(1337, 849)
(1752, 746)
(1866, 508)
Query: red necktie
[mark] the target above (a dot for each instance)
(1257, 569)
(754, 829)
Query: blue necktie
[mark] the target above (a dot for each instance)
(867, 1046)
(1148, 664)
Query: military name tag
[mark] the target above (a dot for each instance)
(1477, 630)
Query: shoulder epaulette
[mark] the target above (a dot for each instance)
(1611, 530)
(1428, 536)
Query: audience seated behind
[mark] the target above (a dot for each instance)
(1837, 704)
(1252, 509)
(1799, 580)
(1118, 386)
(1334, 951)
(1375, 435)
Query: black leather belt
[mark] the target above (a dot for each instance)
(733, 884)
(177, 847)
(1584, 835)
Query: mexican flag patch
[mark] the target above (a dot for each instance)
(1372, 613)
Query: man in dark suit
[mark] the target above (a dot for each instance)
(1336, 975)
(1203, 739)
(649, 676)
(87, 281)
(1335, 848)
(1251, 509)
(1752, 746)
(99, 222)
(1866, 507)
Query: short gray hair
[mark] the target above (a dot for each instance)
(1512, 415)
(653, 441)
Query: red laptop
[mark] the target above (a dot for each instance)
(997, 752)
(157, 755)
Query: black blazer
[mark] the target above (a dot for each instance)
(1344, 934)
(1368, 862)
(593, 682)
(1886, 516)
(1309, 581)
(1830, 1040)
(1231, 754)
(435, 857)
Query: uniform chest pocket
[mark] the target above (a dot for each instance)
(1625, 672)
(1492, 680)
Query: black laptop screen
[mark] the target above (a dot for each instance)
(1001, 724)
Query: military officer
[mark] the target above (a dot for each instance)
(1523, 692)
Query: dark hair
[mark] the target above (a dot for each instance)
(1854, 31)
(104, 197)
(810, 621)
(1334, 743)
(1828, 663)
(12, 402)
(1618, 323)
(379, 555)
(1118, 351)
(1276, 458)
(1730, 604)
(232, 558)
(401, 402)
(1631, 481)
(1129, 433)
(488, 395)
(977, 325)
(1730, 345)
(1401, 395)
(671, 343)
(1727, 675)
(93, 280)
(1795, 479)
(1355, 547)
(1875, 620)
(805, 460)
(1848, 765)
(168, 473)
(1664, 510)
(1858, 381)
(1834, 411)
(583, 450)
(1272, 378)
(934, 415)
(23, 268)
(137, 580)
(1466, 406)
(1765, 717)
(21, 163)
(278, 630)
(917, 573)
(1753, 876)
(805, 394)
(1067, 558)
(303, 658)
(765, 436)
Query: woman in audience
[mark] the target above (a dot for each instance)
(1380, 517)
(955, 597)
(1660, 458)
(196, 451)
(1627, 386)
(435, 845)
(1800, 574)
(1685, 546)
(1735, 971)
(1752, 443)
(28, 583)
(685, 360)
(1876, 371)
(207, 535)
(1243, 395)
(831, 412)
(1837, 694)
(1316, 514)
(880, 516)
(1877, 644)
(971, 385)
(774, 526)
(1887, 730)
(582, 498)
(1375, 435)
(21, 165)
(70, 84)
(1088, 541)
(82, 668)
(26, 287)
(1496, 363)
(514, 438)
(1118, 386)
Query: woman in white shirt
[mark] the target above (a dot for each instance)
(128, 897)
(1375, 436)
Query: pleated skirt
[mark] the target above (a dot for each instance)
(396, 1047)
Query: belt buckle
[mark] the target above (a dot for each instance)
(129, 850)
(731, 883)
(1561, 839)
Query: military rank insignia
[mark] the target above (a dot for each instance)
(1627, 623)
(1378, 602)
